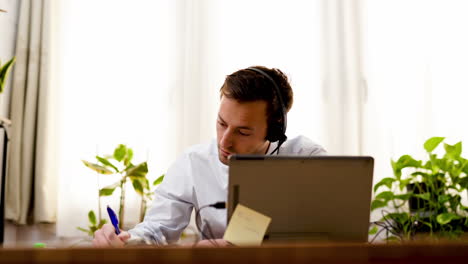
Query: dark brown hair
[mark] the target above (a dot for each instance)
(246, 86)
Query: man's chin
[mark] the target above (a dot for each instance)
(223, 159)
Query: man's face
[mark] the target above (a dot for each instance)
(241, 128)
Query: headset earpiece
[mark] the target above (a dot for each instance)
(275, 132)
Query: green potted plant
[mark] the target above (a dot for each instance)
(424, 197)
(120, 163)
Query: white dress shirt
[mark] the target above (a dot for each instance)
(198, 178)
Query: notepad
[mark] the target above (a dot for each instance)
(247, 227)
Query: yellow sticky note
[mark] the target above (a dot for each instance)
(247, 227)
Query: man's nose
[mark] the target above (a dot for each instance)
(226, 140)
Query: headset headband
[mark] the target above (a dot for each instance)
(278, 94)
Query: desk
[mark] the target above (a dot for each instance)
(290, 254)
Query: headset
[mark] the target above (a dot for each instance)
(276, 130)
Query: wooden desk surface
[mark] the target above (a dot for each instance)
(312, 253)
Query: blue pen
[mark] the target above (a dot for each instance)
(114, 219)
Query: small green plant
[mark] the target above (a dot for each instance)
(93, 224)
(424, 196)
(4, 70)
(120, 163)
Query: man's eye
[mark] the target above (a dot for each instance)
(221, 124)
(244, 134)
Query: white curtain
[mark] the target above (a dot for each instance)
(115, 78)
(8, 22)
(31, 183)
(282, 34)
(192, 101)
(343, 80)
(148, 73)
(417, 77)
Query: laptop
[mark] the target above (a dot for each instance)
(309, 198)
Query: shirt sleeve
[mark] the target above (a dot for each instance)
(318, 151)
(304, 146)
(172, 206)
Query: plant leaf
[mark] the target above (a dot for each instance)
(398, 217)
(83, 230)
(385, 196)
(143, 180)
(404, 161)
(128, 157)
(445, 218)
(106, 162)
(4, 72)
(139, 170)
(92, 217)
(455, 201)
(119, 152)
(108, 190)
(385, 182)
(424, 196)
(464, 182)
(464, 163)
(443, 198)
(158, 180)
(432, 143)
(426, 223)
(137, 186)
(146, 185)
(396, 170)
(97, 168)
(408, 161)
(129, 166)
(378, 204)
(404, 197)
(419, 173)
(373, 230)
(453, 152)
(433, 163)
(404, 183)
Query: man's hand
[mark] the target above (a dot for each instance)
(106, 237)
(213, 243)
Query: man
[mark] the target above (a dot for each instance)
(251, 120)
